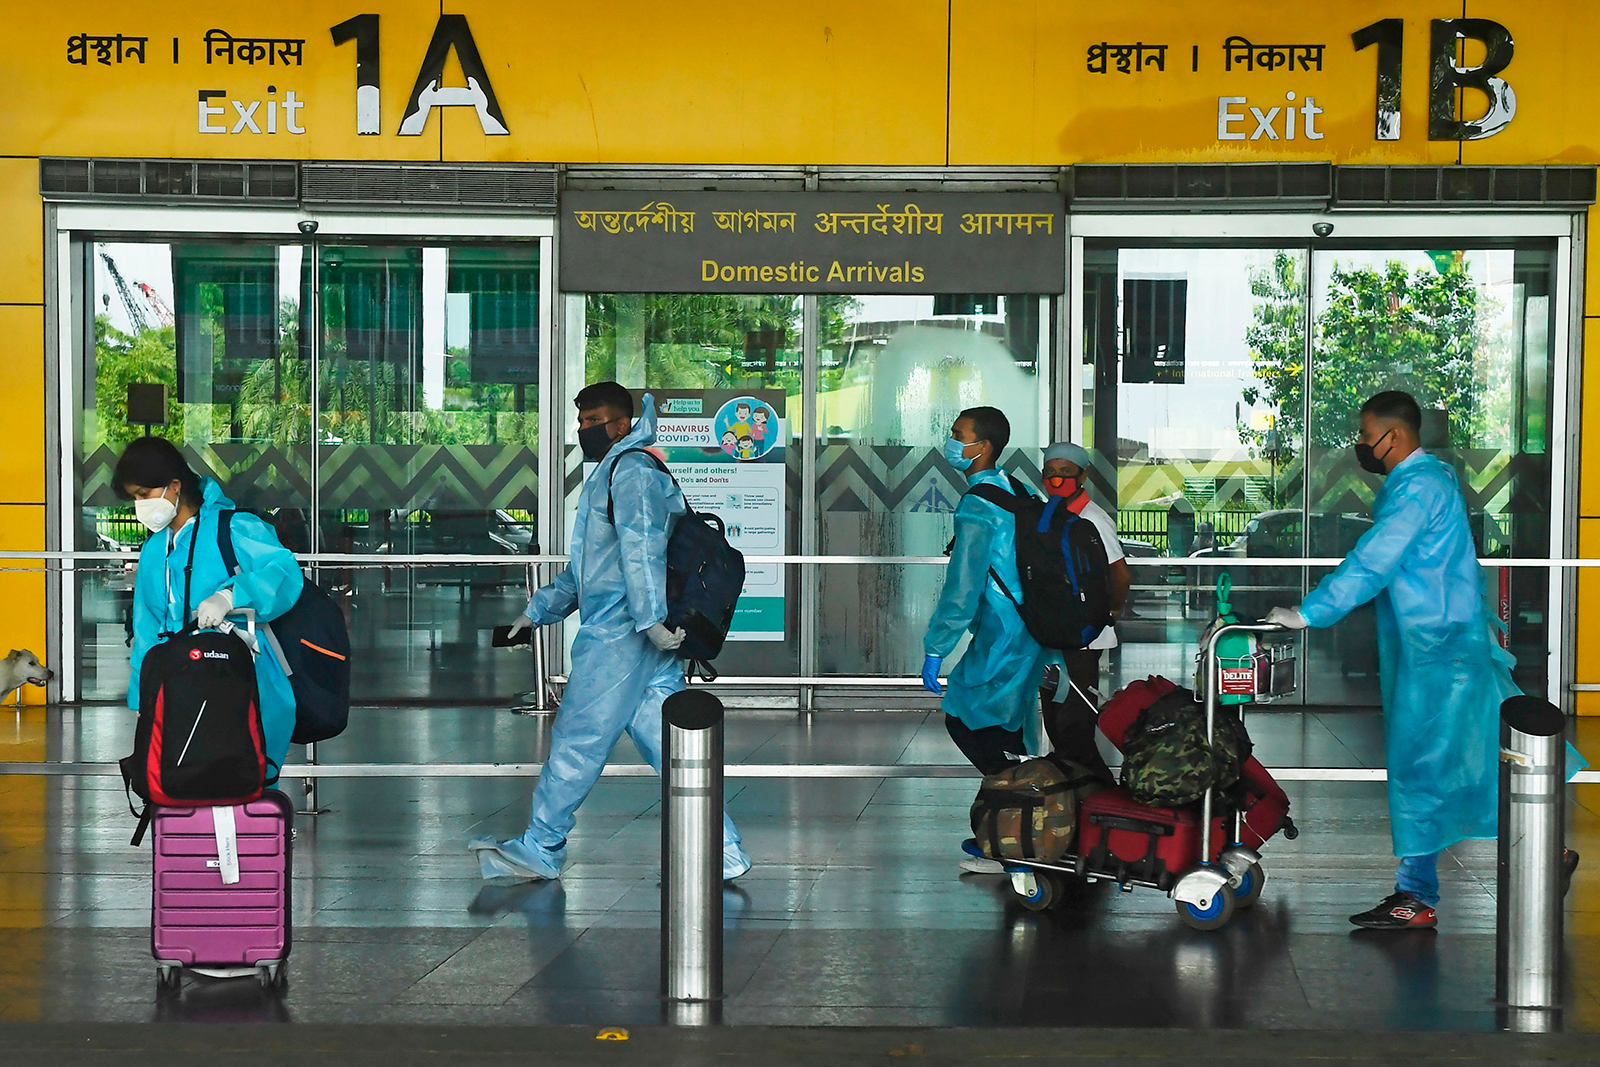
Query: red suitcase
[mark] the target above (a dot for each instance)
(198, 921)
(1268, 811)
(1126, 841)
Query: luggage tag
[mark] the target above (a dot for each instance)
(227, 843)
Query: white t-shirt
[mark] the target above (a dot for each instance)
(1108, 537)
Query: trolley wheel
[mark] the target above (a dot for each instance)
(168, 977)
(1044, 895)
(1251, 883)
(271, 976)
(1211, 917)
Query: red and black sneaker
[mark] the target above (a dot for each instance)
(1398, 911)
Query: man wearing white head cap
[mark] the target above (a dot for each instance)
(1069, 719)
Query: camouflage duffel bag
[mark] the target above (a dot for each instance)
(1165, 758)
(1030, 811)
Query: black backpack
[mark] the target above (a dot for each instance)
(314, 648)
(1065, 599)
(199, 739)
(705, 575)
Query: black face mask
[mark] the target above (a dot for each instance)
(595, 441)
(1369, 459)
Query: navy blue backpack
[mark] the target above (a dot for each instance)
(1065, 599)
(314, 647)
(705, 575)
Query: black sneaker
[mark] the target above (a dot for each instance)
(1569, 864)
(1398, 911)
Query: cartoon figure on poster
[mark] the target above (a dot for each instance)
(746, 427)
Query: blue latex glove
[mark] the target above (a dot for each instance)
(930, 674)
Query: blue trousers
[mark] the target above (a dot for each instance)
(1419, 876)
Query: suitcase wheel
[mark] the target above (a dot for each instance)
(1214, 915)
(1251, 883)
(168, 976)
(272, 976)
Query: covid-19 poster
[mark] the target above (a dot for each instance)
(727, 450)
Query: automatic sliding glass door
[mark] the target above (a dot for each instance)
(1224, 396)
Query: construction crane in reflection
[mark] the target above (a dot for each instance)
(138, 311)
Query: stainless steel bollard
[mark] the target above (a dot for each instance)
(691, 850)
(1532, 828)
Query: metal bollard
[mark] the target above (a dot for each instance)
(691, 851)
(1528, 934)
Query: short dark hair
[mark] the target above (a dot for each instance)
(604, 395)
(1394, 404)
(990, 424)
(152, 463)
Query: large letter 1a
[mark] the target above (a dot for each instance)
(363, 29)
(1446, 78)
(452, 32)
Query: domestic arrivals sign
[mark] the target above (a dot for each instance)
(792, 242)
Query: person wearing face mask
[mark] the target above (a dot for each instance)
(989, 701)
(1442, 670)
(181, 575)
(1070, 712)
(623, 661)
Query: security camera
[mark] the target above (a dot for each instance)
(309, 226)
(1321, 229)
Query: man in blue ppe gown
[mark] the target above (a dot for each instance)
(990, 702)
(623, 665)
(1443, 673)
(180, 509)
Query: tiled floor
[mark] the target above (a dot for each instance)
(855, 913)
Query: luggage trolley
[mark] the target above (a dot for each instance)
(1214, 880)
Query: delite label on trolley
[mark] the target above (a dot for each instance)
(1238, 681)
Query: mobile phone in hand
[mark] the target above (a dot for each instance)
(503, 639)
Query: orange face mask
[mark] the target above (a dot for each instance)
(1070, 488)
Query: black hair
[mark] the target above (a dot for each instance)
(604, 395)
(1395, 405)
(990, 424)
(153, 463)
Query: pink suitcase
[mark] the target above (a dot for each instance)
(198, 922)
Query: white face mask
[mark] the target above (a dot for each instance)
(156, 512)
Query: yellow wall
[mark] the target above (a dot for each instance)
(833, 82)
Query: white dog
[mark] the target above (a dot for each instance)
(22, 668)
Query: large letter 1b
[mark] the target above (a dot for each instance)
(1446, 78)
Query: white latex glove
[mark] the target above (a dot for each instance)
(664, 639)
(214, 608)
(1287, 617)
(521, 623)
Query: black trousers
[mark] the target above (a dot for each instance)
(1071, 724)
(990, 749)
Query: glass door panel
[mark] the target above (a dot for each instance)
(725, 371)
(428, 431)
(1196, 403)
(1468, 333)
(220, 327)
(894, 373)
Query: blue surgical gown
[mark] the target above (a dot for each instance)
(996, 681)
(1443, 673)
(269, 583)
(617, 582)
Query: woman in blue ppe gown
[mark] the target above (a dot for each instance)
(990, 703)
(1443, 673)
(181, 509)
(623, 667)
